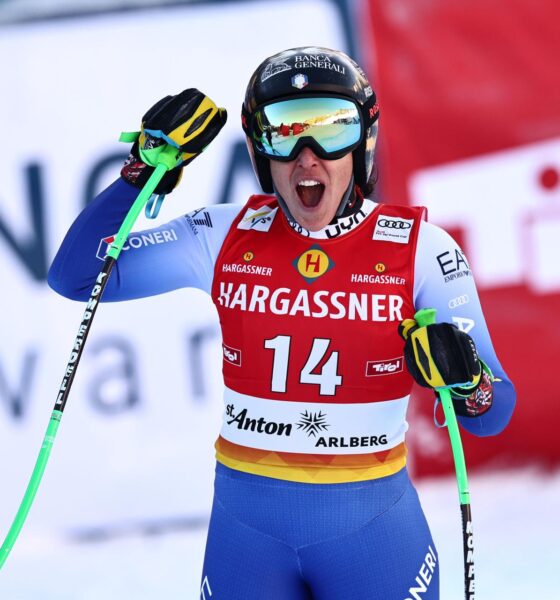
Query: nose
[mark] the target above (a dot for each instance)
(307, 158)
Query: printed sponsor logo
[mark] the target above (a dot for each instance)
(393, 224)
(373, 110)
(312, 422)
(384, 367)
(463, 324)
(393, 229)
(248, 256)
(470, 558)
(245, 268)
(299, 81)
(205, 591)
(380, 267)
(373, 278)
(274, 68)
(317, 61)
(232, 355)
(258, 220)
(459, 301)
(363, 441)
(320, 304)
(80, 338)
(344, 225)
(424, 577)
(242, 420)
(198, 218)
(453, 265)
(137, 240)
(313, 263)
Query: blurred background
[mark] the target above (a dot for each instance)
(470, 128)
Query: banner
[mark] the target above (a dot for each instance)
(470, 128)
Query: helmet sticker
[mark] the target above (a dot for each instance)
(274, 68)
(299, 81)
(317, 61)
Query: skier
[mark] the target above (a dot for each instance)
(316, 287)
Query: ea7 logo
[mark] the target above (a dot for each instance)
(232, 355)
(384, 367)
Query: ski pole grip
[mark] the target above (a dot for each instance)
(425, 316)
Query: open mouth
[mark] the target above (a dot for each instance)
(310, 192)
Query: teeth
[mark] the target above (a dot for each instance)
(309, 182)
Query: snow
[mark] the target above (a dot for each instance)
(516, 548)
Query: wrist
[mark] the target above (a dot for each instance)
(136, 172)
(475, 401)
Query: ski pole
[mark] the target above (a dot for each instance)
(167, 159)
(423, 317)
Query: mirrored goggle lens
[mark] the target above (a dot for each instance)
(333, 123)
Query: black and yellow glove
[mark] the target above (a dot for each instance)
(439, 355)
(188, 121)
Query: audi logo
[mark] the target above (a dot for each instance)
(459, 301)
(393, 224)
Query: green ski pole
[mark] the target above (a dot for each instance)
(167, 159)
(423, 317)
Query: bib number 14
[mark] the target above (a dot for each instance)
(327, 378)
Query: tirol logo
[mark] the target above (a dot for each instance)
(299, 81)
(313, 263)
(232, 355)
(259, 219)
(137, 240)
(312, 422)
(393, 229)
(274, 68)
(384, 367)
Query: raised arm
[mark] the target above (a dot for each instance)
(177, 254)
(161, 259)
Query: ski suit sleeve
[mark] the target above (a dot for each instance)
(444, 281)
(177, 254)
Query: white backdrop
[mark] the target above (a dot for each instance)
(137, 434)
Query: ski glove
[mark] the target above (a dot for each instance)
(188, 121)
(441, 356)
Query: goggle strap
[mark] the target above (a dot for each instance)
(370, 111)
(245, 119)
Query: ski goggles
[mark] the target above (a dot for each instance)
(331, 126)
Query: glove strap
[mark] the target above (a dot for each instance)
(153, 205)
(465, 392)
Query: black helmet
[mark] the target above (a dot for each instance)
(326, 71)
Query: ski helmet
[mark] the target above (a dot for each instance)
(312, 71)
